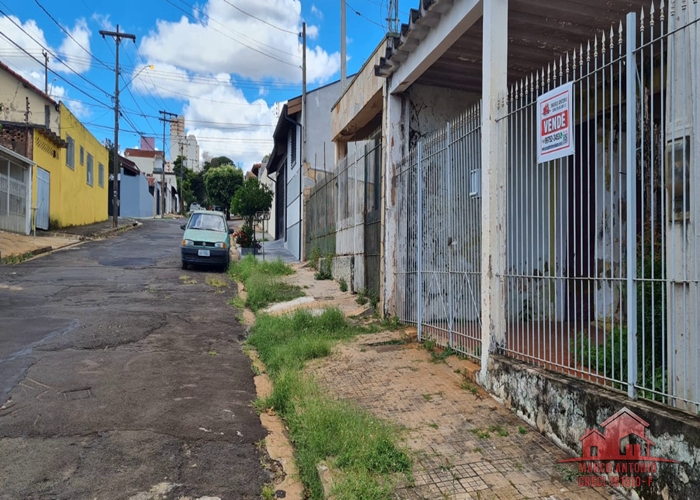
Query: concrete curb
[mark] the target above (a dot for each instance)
(31, 253)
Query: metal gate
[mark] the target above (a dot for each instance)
(438, 276)
(43, 183)
(372, 213)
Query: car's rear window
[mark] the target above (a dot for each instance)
(206, 222)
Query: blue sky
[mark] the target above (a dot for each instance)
(223, 64)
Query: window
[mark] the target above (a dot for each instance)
(70, 152)
(101, 175)
(293, 145)
(594, 451)
(82, 155)
(90, 169)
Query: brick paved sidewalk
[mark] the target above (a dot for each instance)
(466, 445)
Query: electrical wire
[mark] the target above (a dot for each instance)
(227, 36)
(262, 20)
(57, 75)
(71, 36)
(47, 50)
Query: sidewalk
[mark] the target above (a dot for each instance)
(19, 247)
(465, 444)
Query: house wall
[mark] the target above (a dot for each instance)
(269, 183)
(76, 202)
(145, 165)
(135, 200)
(683, 235)
(563, 409)
(362, 99)
(47, 155)
(431, 107)
(13, 98)
(320, 152)
(293, 194)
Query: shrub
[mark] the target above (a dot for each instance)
(343, 285)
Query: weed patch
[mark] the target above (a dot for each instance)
(262, 282)
(216, 282)
(352, 440)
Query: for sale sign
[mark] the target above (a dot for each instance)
(555, 129)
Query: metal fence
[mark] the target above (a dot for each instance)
(603, 246)
(14, 193)
(602, 256)
(320, 215)
(438, 266)
(343, 212)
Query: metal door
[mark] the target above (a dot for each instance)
(43, 183)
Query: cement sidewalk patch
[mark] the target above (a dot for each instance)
(14, 247)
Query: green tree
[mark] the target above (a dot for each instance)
(222, 183)
(251, 198)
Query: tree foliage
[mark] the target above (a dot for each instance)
(251, 198)
(222, 183)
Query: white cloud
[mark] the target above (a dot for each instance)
(205, 62)
(104, 21)
(31, 39)
(75, 50)
(216, 112)
(227, 40)
(316, 12)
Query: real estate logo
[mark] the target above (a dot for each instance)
(619, 456)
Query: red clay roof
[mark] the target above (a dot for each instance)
(141, 153)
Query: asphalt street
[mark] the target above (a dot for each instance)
(123, 377)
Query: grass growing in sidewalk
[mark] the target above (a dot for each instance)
(363, 447)
(262, 282)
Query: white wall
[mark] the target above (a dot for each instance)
(13, 98)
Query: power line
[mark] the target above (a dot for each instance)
(71, 36)
(47, 50)
(56, 74)
(231, 38)
(262, 20)
(364, 17)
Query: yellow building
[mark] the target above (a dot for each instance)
(76, 174)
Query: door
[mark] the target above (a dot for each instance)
(43, 182)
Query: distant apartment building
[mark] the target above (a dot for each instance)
(183, 145)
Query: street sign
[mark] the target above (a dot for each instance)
(555, 128)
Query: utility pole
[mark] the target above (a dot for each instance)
(303, 140)
(117, 35)
(343, 38)
(393, 17)
(167, 118)
(46, 71)
(303, 96)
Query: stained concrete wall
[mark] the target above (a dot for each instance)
(431, 107)
(563, 409)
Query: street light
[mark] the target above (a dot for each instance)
(150, 66)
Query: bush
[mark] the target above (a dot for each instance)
(244, 237)
(362, 297)
(325, 271)
(343, 285)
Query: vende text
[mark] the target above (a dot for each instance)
(555, 123)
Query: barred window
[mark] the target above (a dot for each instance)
(70, 152)
(90, 169)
